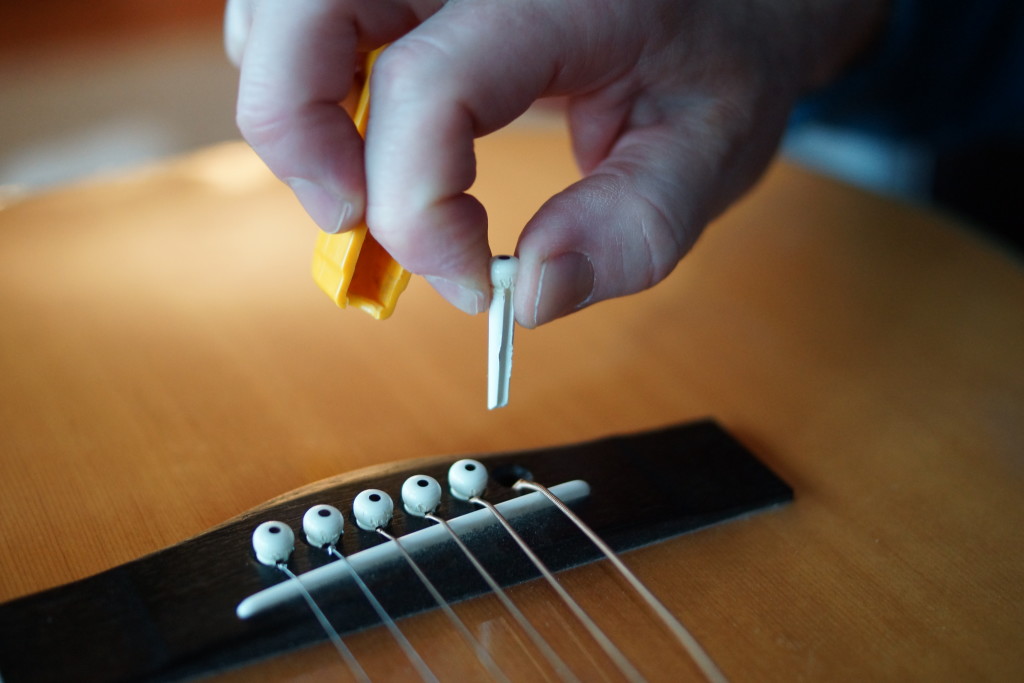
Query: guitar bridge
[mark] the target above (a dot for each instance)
(172, 614)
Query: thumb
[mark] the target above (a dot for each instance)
(625, 226)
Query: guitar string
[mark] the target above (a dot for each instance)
(686, 639)
(339, 645)
(556, 662)
(410, 652)
(482, 654)
(624, 665)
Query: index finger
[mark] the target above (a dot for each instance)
(450, 80)
(297, 64)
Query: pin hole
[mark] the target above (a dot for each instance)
(374, 497)
(423, 482)
(504, 258)
(274, 529)
(507, 475)
(324, 512)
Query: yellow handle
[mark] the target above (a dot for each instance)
(351, 267)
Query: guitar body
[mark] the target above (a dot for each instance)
(166, 365)
(182, 612)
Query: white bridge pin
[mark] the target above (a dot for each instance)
(467, 479)
(501, 328)
(421, 495)
(323, 525)
(372, 509)
(273, 543)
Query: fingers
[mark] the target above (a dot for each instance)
(297, 65)
(450, 80)
(626, 225)
(435, 91)
(444, 82)
(297, 62)
(608, 235)
(663, 153)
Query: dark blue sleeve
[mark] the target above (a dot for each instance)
(945, 73)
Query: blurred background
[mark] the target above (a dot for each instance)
(91, 87)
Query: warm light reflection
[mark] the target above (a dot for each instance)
(11, 194)
(230, 168)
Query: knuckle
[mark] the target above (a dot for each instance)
(388, 219)
(662, 236)
(653, 236)
(406, 67)
(260, 124)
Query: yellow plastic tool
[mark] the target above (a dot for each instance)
(351, 267)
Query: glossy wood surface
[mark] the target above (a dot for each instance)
(166, 363)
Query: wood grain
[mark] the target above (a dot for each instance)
(166, 363)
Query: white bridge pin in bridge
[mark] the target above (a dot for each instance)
(273, 544)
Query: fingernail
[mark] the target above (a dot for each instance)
(330, 211)
(466, 299)
(566, 283)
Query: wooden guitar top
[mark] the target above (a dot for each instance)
(166, 364)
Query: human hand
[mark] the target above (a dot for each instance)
(675, 108)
